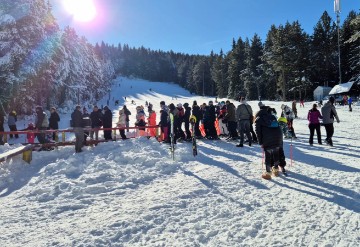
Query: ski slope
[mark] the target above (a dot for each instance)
(131, 193)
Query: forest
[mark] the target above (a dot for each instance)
(42, 64)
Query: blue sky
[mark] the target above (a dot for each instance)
(195, 26)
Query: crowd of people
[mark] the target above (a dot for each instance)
(209, 121)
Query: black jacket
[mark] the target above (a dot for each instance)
(77, 119)
(107, 119)
(54, 121)
(196, 111)
(267, 136)
(96, 119)
(187, 114)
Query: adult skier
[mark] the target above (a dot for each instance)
(329, 113)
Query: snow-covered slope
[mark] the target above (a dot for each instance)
(131, 193)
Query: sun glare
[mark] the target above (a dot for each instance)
(81, 10)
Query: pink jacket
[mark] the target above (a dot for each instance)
(314, 116)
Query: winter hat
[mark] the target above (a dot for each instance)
(261, 104)
(179, 105)
(332, 99)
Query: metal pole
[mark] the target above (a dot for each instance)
(337, 10)
(338, 34)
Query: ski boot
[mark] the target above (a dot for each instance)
(275, 171)
(266, 175)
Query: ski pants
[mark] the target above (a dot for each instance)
(312, 128)
(329, 132)
(244, 126)
(79, 134)
(272, 156)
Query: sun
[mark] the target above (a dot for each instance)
(81, 10)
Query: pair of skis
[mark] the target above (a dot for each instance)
(172, 135)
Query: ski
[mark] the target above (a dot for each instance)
(172, 136)
(192, 122)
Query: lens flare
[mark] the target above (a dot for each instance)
(81, 10)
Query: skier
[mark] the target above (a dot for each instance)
(289, 114)
(314, 124)
(329, 112)
(152, 122)
(180, 113)
(198, 115)
(187, 121)
(270, 138)
(164, 122)
(209, 121)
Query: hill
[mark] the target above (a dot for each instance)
(131, 193)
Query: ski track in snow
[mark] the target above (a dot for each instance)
(131, 193)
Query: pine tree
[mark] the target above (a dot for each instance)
(324, 52)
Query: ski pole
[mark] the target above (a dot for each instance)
(291, 153)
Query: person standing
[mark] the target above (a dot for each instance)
(41, 123)
(271, 140)
(86, 123)
(127, 114)
(164, 122)
(290, 116)
(314, 124)
(196, 111)
(12, 123)
(329, 113)
(122, 123)
(96, 122)
(244, 114)
(107, 123)
(77, 124)
(54, 122)
(350, 103)
(187, 121)
(230, 117)
(152, 122)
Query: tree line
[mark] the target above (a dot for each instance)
(41, 64)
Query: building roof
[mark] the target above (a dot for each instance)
(341, 88)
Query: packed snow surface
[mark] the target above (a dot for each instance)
(131, 193)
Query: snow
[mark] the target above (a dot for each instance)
(341, 88)
(131, 193)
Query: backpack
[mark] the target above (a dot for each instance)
(272, 122)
